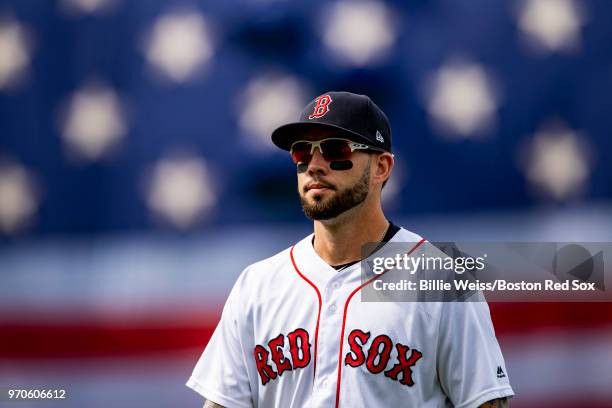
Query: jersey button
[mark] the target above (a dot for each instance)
(335, 285)
(324, 383)
(333, 308)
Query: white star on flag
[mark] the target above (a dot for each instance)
(76, 7)
(18, 197)
(269, 101)
(556, 162)
(14, 52)
(179, 45)
(461, 99)
(359, 32)
(552, 25)
(94, 121)
(180, 190)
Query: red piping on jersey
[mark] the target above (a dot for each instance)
(346, 304)
(316, 341)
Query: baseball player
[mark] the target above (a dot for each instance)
(294, 331)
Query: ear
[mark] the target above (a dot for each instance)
(383, 165)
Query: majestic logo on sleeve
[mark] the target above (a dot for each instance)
(379, 354)
(321, 107)
(299, 348)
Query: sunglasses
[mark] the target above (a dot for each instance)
(332, 149)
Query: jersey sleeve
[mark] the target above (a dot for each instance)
(220, 374)
(471, 367)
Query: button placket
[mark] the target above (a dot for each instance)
(329, 331)
(331, 296)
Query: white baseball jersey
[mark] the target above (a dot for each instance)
(295, 333)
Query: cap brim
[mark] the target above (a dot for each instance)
(284, 136)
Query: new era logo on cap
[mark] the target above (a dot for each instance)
(355, 117)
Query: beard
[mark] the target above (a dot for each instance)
(340, 202)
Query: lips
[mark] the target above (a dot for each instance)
(318, 186)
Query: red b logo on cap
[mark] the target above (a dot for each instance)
(321, 107)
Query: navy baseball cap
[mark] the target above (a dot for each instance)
(356, 117)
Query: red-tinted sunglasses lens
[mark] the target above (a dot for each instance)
(333, 150)
(300, 152)
(336, 150)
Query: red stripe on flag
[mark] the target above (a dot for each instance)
(524, 318)
(584, 402)
(62, 338)
(90, 340)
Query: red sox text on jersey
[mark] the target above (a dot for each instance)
(375, 354)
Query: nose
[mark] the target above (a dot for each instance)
(318, 164)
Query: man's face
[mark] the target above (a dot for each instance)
(326, 193)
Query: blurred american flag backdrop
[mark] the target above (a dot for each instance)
(137, 177)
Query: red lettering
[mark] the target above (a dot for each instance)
(357, 357)
(276, 348)
(321, 107)
(379, 354)
(266, 372)
(299, 346)
(384, 354)
(299, 336)
(404, 364)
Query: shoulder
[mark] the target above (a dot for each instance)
(277, 260)
(274, 263)
(404, 235)
(471, 305)
(270, 269)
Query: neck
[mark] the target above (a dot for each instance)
(340, 240)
